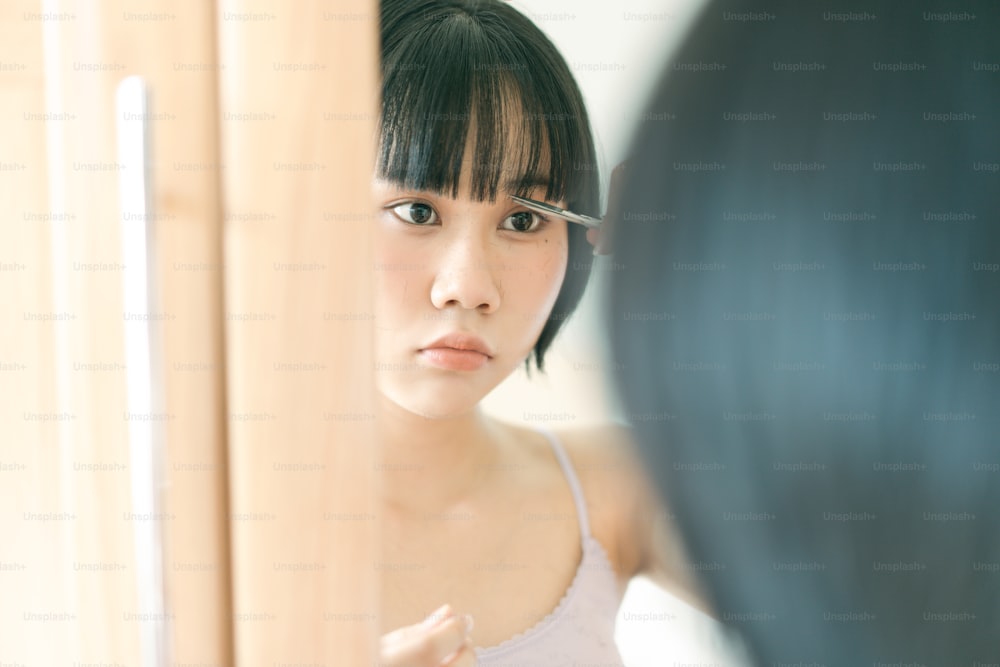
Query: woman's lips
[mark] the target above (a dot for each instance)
(454, 360)
(458, 351)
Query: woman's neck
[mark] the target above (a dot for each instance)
(433, 465)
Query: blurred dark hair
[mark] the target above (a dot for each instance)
(806, 327)
(448, 65)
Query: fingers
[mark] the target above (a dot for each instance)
(614, 208)
(617, 185)
(601, 238)
(448, 636)
(594, 237)
(442, 639)
(464, 657)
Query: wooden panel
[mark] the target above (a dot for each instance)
(298, 99)
(65, 465)
(66, 510)
(34, 577)
(176, 46)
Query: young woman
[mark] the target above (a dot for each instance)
(534, 534)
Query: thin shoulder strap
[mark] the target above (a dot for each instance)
(574, 482)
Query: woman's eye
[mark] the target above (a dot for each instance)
(415, 213)
(523, 221)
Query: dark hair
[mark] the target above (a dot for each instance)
(806, 327)
(449, 64)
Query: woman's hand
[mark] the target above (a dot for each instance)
(440, 640)
(601, 238)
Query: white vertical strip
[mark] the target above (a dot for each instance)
(62, 328)
(142, 374)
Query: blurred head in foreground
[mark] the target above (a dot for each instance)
(806, 324)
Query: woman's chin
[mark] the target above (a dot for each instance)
(423, 387)
(434, 400)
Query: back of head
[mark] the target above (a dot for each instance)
(806, 329)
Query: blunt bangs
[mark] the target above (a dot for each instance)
(451, 69)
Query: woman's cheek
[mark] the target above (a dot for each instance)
(399, 259)
(553, 265)
(539, 281)
(397, 274)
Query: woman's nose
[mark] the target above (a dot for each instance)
(467, 275)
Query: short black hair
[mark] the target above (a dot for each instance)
(806, 330)
(451, 64)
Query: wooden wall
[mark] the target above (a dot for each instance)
(260, 168)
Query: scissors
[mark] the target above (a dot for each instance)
(542, 207)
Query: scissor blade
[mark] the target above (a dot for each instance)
(549, 209)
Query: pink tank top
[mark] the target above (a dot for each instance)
(580, 630)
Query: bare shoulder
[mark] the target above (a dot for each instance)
(617, 492)
(632, 515)
(605, 455)
(606, 461)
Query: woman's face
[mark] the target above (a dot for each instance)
(448, 266)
